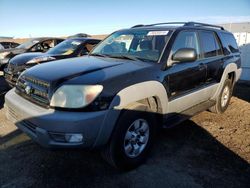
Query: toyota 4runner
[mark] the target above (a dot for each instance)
(132, 83)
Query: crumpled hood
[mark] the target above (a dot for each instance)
(21, 59)
(62, 70)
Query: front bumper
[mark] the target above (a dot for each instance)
(10, 77)
(3, 63)
(238, 74)
(40, 123)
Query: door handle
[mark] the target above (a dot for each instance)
(201, 66)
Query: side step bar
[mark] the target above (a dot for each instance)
(171, 120)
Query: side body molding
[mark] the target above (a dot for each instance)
(141, 91)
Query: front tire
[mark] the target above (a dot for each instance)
(132, 138)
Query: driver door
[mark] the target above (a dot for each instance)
(185, 78)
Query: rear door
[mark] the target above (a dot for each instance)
(212, 55)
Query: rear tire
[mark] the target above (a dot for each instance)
(132, 138)
(224, 98)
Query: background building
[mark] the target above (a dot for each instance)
(241, 33)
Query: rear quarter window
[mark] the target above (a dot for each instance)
(229, 43)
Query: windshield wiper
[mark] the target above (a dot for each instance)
(115, 56)
(99, 55)
(125, 57)
(133, 58)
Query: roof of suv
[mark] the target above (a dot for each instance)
(179, 25)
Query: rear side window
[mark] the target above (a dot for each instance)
(210, 45)
(6, 45)
(229, 43)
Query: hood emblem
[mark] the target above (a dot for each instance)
(28, 90)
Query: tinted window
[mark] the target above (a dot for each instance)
(28, 44)
(66, 47)
(13, 45)
(58, 41)
(5, 45)
(186, 39)
(229, 43)
(209, 44)
(139, 44)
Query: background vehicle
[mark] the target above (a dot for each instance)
(7, 45)
(74, 47)
(34, 45)
(84, 35)
(134, 82)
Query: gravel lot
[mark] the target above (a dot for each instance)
(207, 151)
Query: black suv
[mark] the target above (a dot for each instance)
(74, 47)
(33, 45)
(135, 81)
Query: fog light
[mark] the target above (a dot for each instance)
(74, 138)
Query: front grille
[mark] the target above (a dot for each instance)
(35, 90)
(37, 82)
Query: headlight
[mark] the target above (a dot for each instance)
(4, 54)
(75, 96)
(40, 59)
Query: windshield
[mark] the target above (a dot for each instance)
(135, 44)
(28, 44)
(1, 47)
(66, 47)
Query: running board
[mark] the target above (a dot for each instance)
(173, 119)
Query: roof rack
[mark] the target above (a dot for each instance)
(198, 24)
(167, 23)
(192, 24)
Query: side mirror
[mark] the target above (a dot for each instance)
(185, 55)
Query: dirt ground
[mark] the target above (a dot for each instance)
(208, 150)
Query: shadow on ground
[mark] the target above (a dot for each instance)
(242, 91)
(3, 89)
(185, 156)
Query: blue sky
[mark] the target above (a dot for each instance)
(25, 18)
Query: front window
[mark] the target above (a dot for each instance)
(144, 45)
(28, 44)
(186, 39)
(66, 47)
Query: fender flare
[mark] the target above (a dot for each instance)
(141, 91)
(231, 67)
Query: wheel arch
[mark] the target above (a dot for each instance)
(152, 91)
(232, 72)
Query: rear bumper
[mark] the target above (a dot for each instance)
(41, 124)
